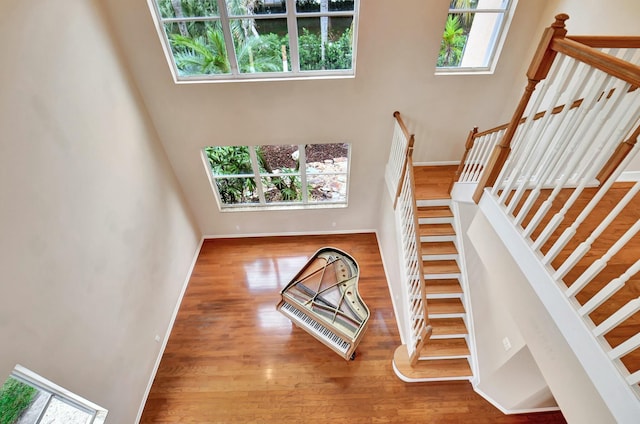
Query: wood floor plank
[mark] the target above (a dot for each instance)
(232, 358)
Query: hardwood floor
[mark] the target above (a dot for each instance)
(232, 358)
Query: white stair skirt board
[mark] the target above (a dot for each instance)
(463, 192)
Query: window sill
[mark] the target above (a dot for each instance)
(282, 207)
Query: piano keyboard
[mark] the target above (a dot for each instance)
(316, 328)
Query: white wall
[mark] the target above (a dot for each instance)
(572, 388)
(96, 237)
(397, 50)
(498, 367)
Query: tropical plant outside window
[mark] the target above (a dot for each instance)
(209, 40)
(279, 175)
(473, 34)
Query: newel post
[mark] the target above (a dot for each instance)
(468, 145)
(538, 70)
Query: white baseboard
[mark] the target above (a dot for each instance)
(441, 163)
(168, 332)
(629, 176)
(295, 233)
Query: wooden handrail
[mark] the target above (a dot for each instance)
(618, 156)
(610, 64)
(410, 141)
(611, 41)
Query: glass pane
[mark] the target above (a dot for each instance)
(479, 5)
(324, 5)
(469, 39)
(59, 412)
(237, 190)
(323, 188)
(325, 43)
(198, 47)
(285, 188)
(454, 38)
(262, 45)
(278, 159)
(187, 8)
(253, 7)
(334, 154)
(229, 160)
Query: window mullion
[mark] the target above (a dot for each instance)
(228, 38)
(256, 174)
(292, 29)
(302, 168)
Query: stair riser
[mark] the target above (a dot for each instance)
(448, 257)
(442, 276)
(433, 202)
(437, 238)
(442, 220)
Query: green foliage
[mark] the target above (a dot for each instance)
(453, 42)
(201, 55)
(338, 51)
(232, 160)
(15, 397)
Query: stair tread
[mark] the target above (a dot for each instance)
(431, 369)
(445, 347)
(438, 248)
(447, 326)
(436, 230)
(443, 286)
(445, 306)
(434, 212)
(449, 266)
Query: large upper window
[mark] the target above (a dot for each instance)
(279, 175)
(208, 40)
(473, 35)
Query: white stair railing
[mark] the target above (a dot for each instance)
(575, 136)
(395, 168)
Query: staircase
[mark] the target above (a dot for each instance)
(446, 355)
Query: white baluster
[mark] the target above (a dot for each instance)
(472, 159)
(573, 228)
(609, 290)
(629, 346)
(634, 378)
(619, 316)
(584, 247)
(577, 157)
(601, 263)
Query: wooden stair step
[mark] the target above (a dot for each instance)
(443, 286)
(437, 369)
(434, 212)
(438, 248)
(444, 347)
(436, 230)
(445, 306)
(442, 327)
(440, 267)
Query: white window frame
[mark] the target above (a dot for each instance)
(263, 205)
(493, 44)
(98, 414)
(293, 72)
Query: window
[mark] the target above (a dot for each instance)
(473, 35)
(273, 176)
(222, 40)
(27, 398)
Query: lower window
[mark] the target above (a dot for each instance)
(287, 176)
(27, 398)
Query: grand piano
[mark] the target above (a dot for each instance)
(323, 300)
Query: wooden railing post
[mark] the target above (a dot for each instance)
(538, 70)
(468, 145)
(618, 156)
(410, 141)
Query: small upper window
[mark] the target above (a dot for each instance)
(213, 40)
(26, 397)
(473, 35)
(289, 176)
